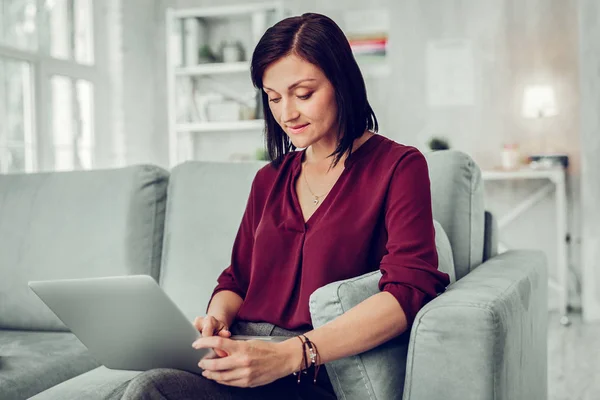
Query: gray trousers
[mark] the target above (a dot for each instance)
(172, 384)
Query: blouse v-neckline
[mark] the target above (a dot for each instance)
(358, 153)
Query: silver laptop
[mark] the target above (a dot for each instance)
(127, 322)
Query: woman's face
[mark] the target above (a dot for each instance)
(302, 101)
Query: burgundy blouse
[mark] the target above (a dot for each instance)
(376, 216)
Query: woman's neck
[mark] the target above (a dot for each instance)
(319, 153)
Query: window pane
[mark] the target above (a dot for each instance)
(85, 157)
(62, 111)
(84, 32)
(12, 159)
(64, 159)
(72, 123)
(16, 105)
(18, 26)
(60, 28)
(85, 102)
(71, 30)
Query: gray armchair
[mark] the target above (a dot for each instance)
(484, 338)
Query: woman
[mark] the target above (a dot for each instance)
(351, 202)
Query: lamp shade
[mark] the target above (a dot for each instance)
(538, 102)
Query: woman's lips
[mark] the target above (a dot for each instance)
(299, 129)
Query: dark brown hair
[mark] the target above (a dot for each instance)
(318, 40)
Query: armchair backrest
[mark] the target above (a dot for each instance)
(457, 200)
(206, 202)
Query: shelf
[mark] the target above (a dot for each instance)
(213, 69)
(555, 173)
(224, 11)
(212, 25)
(254, 124)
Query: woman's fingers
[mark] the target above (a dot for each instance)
(220, 345)
(238, 375)
(220, 353)
(225, 333)
(217, 342)
(198, 323)
(221, 364)
(209, 326)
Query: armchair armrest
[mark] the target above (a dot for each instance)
(485, 337)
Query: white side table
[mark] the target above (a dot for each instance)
(556, 178)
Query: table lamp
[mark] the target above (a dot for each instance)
(539, 102)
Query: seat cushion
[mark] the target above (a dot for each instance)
(81, 224)
(31, 362)
(98, 384)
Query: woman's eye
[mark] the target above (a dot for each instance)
(305, 97)
(274, 100)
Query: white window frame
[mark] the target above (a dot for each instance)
(43, 67)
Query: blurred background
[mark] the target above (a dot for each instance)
(515, 84)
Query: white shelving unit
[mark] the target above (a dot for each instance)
(184, 134)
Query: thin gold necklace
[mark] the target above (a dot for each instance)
(316, 198)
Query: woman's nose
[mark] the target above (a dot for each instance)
(289, 112)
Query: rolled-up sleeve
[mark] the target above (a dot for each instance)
(410, 267)
(234, 277)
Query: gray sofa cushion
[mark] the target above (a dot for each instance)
(374, 374)
(457, 200)
(98, 384)
(75, 225)
(378, 373)
(31, 362)
(205, 206)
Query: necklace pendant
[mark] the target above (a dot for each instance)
(316, 201)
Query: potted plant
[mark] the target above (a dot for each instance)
(438, 143)
(262, 154)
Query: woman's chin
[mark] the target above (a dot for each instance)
(300, 143)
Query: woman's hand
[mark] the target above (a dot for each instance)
(210, 326)
(247, 363)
